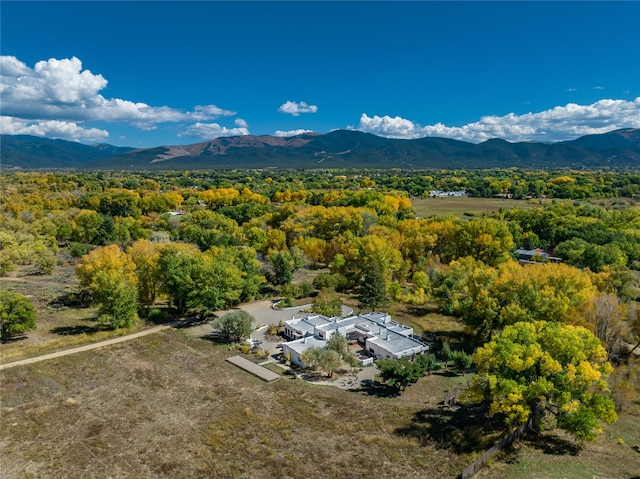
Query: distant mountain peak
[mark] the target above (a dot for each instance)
(336, 149)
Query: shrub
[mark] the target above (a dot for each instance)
(78, 250)
(304, 289)
(155, 315)
(261, 354)
(327, 303)
(286, 302)
(236, 325)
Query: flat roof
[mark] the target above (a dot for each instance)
(397, 344)
(375, 323)
(379, 328)
(302, 344)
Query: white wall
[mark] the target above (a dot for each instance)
(295, 357)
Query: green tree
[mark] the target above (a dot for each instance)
(338, 343)
(145, 256)
(535, 368)
(373, 292)
(321, 359)
(17, 314)
(217, 280)
(87, 224)
(462, 361)
(327, 303)
(175, 264)
(284, 263)
(235, 325)
(398, 372)
(329, 362)
(446, 354)
(310, 358)
(426, 363)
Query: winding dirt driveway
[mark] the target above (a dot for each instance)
(86, 347)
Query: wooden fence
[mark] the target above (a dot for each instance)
(473, 468)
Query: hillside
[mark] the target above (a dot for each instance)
(337, 149)
(25, 151)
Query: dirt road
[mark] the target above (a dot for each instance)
(86, 347)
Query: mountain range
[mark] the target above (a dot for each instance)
(337, 149)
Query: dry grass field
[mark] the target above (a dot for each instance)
(168, 405)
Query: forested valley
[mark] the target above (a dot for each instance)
(555, 335)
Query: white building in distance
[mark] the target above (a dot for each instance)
(377, 333)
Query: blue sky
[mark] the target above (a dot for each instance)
(147, 73)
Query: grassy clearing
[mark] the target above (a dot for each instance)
(554, 455)
(275, 368)
(464, 207)
(436, 327)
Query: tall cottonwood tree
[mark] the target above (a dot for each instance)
(536, 368)
(605, 317)
(145, 256)
(107, 275)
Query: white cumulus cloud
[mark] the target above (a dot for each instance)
(63, 91)
(51, 129)
(241, 123)
(287, 134)
(559, 123)
(295, 108)
(208, 131)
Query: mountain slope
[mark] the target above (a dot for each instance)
(337, 149)
(27, 151)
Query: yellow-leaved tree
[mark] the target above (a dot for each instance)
(490, 298)
(533, 369)
(146, 256)
(108, 276)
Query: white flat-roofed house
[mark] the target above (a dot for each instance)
(443, 194)
(378, 334)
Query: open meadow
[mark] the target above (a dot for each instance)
(468, 206)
